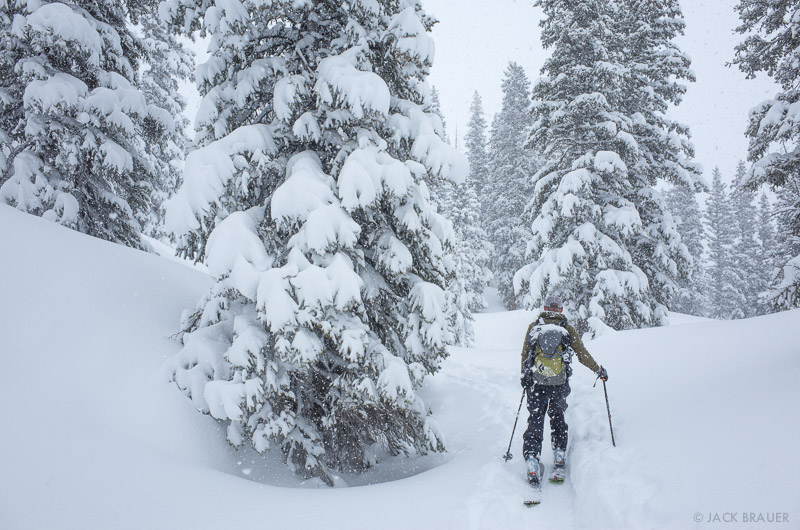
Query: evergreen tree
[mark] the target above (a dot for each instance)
(477, 153)
(748, 258)
(772, 46)
(655, 68)
(768, 259)
(165, 63)
(76, 125)
(508, 187)
(766, 227)
(471, 252)
(454, 203)
(436, 108)
(601, 235)
(725, 296)
(480, 248)
(785, 292)
(10, 107)
(691, 297)
(308, 199)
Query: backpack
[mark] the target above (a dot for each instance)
(549, 353)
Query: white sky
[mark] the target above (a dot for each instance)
(475, 40)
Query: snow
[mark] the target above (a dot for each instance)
(610, 162)
(208, 171)
(22, 188)
(236, 237)
(285, 93)
(327, 227)
(428, 148)
(307, 128)
(60, 90)
(705, 416)
(625, 219)
(413, 39)
(66, 25)
(116, 157)
(306, 189)
(362, 91)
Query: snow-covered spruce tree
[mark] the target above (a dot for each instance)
(165, 63)
(476, 143)
(436, 108)
(692, 295)
(747, 252)
(471, 250)
(74, 119)
(582, 225)
(655, 71)
(602, 235)
(469, 221)
(470, 254)
(10, 110)
(308, 198)
(769, 253)
(508, 186)
(772, 46)
(449, 202)
(785, 291)
(725, 294)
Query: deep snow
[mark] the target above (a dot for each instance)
(705, 414)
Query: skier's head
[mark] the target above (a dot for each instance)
(553, 303)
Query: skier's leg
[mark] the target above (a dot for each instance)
(558, 425)
(537, 405)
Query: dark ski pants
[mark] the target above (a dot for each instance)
(551, 399)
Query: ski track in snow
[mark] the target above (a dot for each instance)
(501, 487)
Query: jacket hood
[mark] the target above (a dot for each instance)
(552, 315)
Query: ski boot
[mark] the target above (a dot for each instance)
(559, 466)
(535, 471)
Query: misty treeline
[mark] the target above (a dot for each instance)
(737, 249)
(589, 190)
(349, 242)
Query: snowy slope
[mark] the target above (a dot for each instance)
(705, 414)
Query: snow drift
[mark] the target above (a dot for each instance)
(705, 414)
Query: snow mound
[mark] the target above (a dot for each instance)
(95, 438)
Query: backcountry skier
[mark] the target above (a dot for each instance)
(546, 356)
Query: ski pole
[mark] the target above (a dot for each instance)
(508, 456)
(608, 408)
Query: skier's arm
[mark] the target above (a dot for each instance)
(580, 350)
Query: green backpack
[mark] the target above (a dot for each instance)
(549, 353)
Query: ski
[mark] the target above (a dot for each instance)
(535, 499)
(557, 476)
(559, 472)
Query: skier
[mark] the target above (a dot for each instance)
(546, 356)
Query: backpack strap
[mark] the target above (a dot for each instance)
(567, 341)
(531, 345)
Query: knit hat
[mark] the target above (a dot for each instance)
(553, 303)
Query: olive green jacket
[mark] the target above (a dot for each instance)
(551, 317)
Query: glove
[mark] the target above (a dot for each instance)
(527, 379)
(602, 374)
